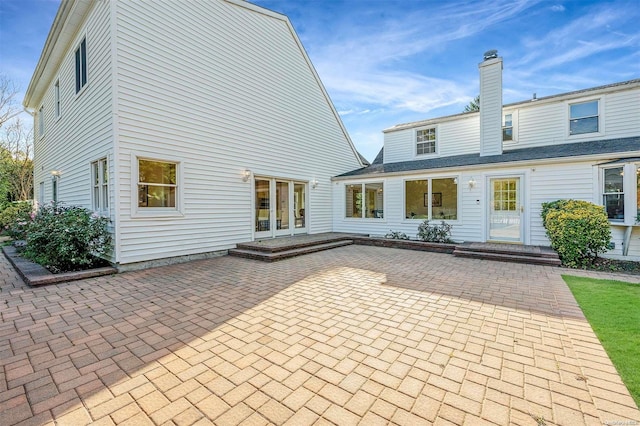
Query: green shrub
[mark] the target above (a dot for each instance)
(437, 233)
(396, 235)
(578, 230)
(67, 238)
(14, 219)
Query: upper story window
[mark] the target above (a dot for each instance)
(56, 94)
(157, 183)
(426, 141)
(583, 118)
(507, 127)
(81, 65)
(41, 121)
(365, 200)
(100, 185)
(613, 192)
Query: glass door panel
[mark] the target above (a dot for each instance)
(282, 205)
(299, 205)
(262, 207)
(505, 210)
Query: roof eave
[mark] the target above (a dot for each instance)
(620, 156)
(68, 20)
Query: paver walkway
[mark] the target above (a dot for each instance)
(353, 335)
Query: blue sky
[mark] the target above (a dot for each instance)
(386, 62)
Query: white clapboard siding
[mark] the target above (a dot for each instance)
(219, 88)
(622, 114)
(83, 133)
(556, 182)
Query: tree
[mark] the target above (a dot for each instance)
(9, 108)
(16, 165)
(474, 105)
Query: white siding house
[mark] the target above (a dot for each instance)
(193, 126)
(487, 173)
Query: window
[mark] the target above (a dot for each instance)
(431, 199)
(157, 183)
(583, 118)
(426, 141)
(507, 127)
(81, 65)
(100, 185)
(54, 189)
(41, 193)
(365, 200)
(613, 193)
(41, 121)
(57, 97)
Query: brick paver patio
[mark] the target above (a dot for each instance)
(352, 335)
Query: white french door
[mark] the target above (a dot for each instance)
(280, 207)
(505, 210)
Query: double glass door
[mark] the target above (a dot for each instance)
(280, 207)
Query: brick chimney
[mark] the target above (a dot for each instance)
(491, 104)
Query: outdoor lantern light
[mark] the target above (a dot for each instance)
(472, 183)
(314, 183)
(55, 174)
(246, 175)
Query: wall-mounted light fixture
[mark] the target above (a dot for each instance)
(246, 175)
(55, 174)
(455, 180)
(314, 183)
(472, 183)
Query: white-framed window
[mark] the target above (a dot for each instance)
(41, 194)
(584, 117)
(100, 185)
(365, 200)
(56, 90)
(507, 127)
(81, 65)
(41, 121)
(613, 192)
(157, 184)
(54, 189)
(426, 141)
(431, 198)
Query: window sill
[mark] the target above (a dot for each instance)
(157, 214)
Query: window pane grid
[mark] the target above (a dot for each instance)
(426, 141)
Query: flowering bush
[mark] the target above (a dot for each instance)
(396, 235)
(15, 218)
(67, 238)
(435, 233)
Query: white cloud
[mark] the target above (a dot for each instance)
(558, 8)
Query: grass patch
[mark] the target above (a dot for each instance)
(613, 310)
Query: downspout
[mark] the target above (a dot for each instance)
(627, 240)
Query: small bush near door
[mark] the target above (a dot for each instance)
(436, 233)
(578, 230)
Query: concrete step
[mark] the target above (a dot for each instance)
(291, 245)
(272, 256)
(508, 257)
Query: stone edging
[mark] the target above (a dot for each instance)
(37, 275)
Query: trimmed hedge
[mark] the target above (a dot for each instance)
(578, 230)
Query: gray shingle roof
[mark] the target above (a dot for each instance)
(620, 148)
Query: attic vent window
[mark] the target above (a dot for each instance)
(81, 65)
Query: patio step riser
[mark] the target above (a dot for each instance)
(535, 260)
(542, 254)
(266, 256)
(267, 249)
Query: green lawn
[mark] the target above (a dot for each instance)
(613, 310)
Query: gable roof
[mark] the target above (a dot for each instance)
(623, 85)
(619, 148)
